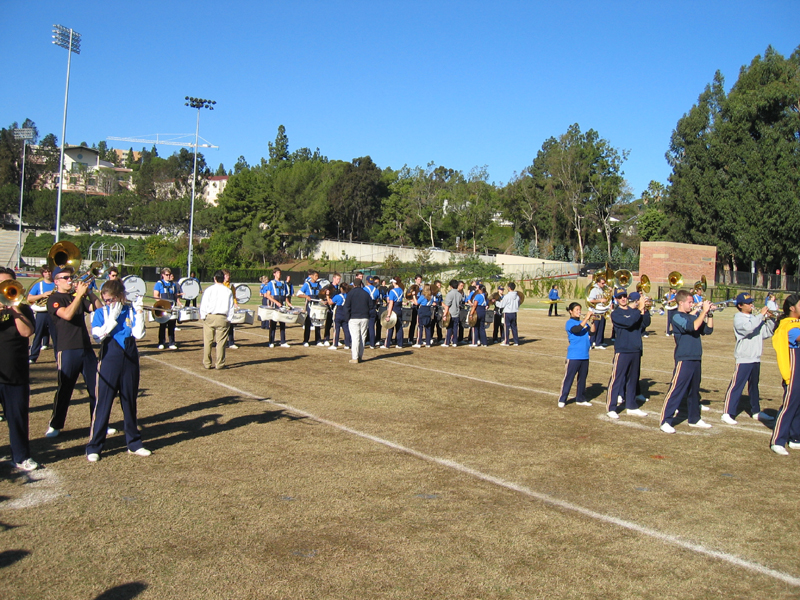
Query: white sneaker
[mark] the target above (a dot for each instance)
(612, 415)
(562, 404)
(726, 418)
(93, 457)
(140, 452)
(27, 465)
(416, 346)
(620, 401)
(584, 403)
(111, 431)
(284, 345)
(272, 345)
(174, 347)
(305, 344)
(636, 412)
(779, 450)
(473, 345)
(667, 428)
(51, 433)
(177, 329)
(161, 346)
(326, 343)
(231, 347)
(599, 347)
(333, 348)
(503, 344)
(322, 344)
(794, 445)
(700, 425)
(44, 347)
(761, 416)
(703, 407)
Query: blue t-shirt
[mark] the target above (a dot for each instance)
(167, 290)
(310, 289)
(278, 289)
(553, 294)
(396, 294)
(124, 327)
(579, 342)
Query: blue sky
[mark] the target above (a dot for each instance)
(462, 84)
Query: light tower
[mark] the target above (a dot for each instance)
(197, 103)
(24, 134)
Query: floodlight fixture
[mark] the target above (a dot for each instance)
(197, 103)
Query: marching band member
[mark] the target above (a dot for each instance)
(424, 303)
(336, 280)
(394, 303)
(509, 304)
(636, 300)
(216, 311)
(112, 273)
(554, 298)
(375, 295)
(117, 326)
(479, 307)
(770, 303)
(750, 329)
(265, 324)
(577, 363)
(339, 318)
(463, 304)
(167, 289)
(67, 307)
(37, 298)
(497, 321)
(786, 342)
(16, 326)
(688, 361)
(596, 297)
(471, 291)
(437, 302)
(415, 308)
(310, 291)
(670, 297)
(278, 292)
(452, 307)
(628, 323)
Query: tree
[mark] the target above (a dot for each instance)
(279, 151)
(356, 195)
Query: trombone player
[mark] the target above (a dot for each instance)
(16, 326)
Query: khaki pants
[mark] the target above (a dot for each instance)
(215, 329)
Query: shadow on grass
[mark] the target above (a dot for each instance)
(9, 557)
(126, 591)
(277, 359)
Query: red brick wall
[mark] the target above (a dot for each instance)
(658, 259)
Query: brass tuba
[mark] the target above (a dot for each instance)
(675, 279)
(623, 277)
(11, 293)
(64, 254)
(643, 287)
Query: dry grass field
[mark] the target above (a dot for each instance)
(432, 473)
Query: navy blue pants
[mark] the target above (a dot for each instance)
(72, 363)
(479, 332)
(745, 373)
(498, 327)
(581, 369)
(265, 324)
(670, 314)
(42, 334)
(511, 327)
(118, 373)
(307, 330)
(685, 383)
(340, 325)
(167, 330)
(425, 325)
(624, 375)
(599, 331)
(372, 332)
(16, 404)
(451, 337)
(787, 425)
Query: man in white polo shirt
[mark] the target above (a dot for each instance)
(216, 310)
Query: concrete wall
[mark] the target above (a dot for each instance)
(658, 259)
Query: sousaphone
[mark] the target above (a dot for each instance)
(64, 254)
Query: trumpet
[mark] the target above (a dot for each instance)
(11, 293)
(97, 270)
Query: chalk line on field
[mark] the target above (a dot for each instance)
(510, 485)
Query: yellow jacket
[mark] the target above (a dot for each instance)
(780, 341)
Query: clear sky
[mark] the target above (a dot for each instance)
(462, 84)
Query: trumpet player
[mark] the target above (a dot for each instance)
(750, 329)
(579, 332)
(628, 324)
(37, 298)
(75, 356)
(688, 361)
(16, 326)
(597, 297)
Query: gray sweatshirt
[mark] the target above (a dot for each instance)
(750, 331)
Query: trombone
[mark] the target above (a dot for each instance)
(11, 293)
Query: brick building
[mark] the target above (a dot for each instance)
(658, 259)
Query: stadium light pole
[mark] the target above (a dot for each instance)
(71, 41)
(197, 103)
(24, 134)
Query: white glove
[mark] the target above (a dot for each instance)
(100, 333)
(114, 312)
(138, 304)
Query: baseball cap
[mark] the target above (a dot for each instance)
(634, 296)
(57, 271)
(621, 293)
(744, 298)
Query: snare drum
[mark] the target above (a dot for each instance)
(189, 314)
(318, 313)
(190, 288)
(406, 315)
(135, 287)
(242, 316)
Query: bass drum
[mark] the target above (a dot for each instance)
(242, 293)
(190, 288)
(135, 287)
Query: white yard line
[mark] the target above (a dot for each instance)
(509, 485)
